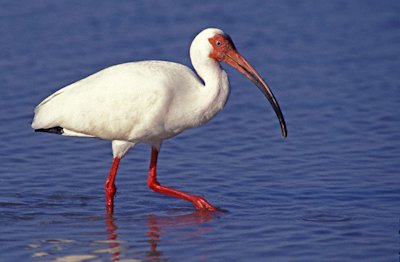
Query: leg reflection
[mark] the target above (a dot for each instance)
(112, 237)
(159, 224)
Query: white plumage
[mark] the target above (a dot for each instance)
(149, 101)
(138, 102)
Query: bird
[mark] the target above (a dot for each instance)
(148, 102)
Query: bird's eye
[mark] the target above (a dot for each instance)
(218, 43)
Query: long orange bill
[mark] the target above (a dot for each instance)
(233, 58)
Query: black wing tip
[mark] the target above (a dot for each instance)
(54, 130)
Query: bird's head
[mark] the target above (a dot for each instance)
(219, 47)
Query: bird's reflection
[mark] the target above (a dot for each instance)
(156, 226)
(112, 237)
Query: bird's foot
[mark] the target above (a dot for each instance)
(202, 204)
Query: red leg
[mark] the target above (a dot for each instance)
(199, 202)
(109, 186)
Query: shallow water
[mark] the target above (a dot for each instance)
(329, 192)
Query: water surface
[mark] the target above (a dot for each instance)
(329, 192)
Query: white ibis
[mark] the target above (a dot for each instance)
(149, 101)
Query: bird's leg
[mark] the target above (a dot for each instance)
(199, 202)
(109, 186)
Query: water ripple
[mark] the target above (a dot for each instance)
(330, 191)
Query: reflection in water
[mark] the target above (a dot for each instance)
(157, 225)
(155, 233)
(112, 237)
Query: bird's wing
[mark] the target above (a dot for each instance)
(116, 102)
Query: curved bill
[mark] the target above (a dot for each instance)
(233, 58)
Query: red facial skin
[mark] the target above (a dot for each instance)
(224, 51)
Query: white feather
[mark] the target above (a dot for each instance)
(139, 102)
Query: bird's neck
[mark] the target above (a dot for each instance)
(216, 88)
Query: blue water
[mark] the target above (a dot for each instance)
(329, 192)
